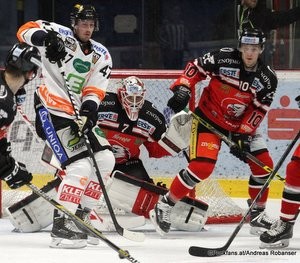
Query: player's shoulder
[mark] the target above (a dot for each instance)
(100, 49)
(268, 73)
(62, 30)
(151, 113)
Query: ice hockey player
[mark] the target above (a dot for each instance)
(129, 121)
(282, 230)
(21, 66)
(235, 101)
(71, 54)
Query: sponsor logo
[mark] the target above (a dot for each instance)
(93, 190)
(228, 61)
(145, 126)
(210, 145)
(230, 72)
(71, 43)
(51, 136)
(154, 116)
(81, 66)
(107, 116)
(71, 194)
(121, 138)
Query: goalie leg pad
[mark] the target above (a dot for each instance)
(139, 197)
(33, 213)
(189, 214)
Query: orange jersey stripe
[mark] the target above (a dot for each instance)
(54, 102)
(25, 27)
(95, 91)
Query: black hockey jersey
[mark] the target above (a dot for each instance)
(8, 109)
(126, 136)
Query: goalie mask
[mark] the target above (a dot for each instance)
(84, 12)
(132, 96)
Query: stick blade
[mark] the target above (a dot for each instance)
(131, 235)
(206, 252)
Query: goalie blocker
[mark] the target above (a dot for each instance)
(135, 196)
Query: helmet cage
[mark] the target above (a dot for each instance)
(132, 96)
(84, 12)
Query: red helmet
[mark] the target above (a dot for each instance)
(132, 96)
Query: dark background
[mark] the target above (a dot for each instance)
(211, 25)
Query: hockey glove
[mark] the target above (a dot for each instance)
(88, 114)
(20, 96)
(242, 146)
(297, 99)
(55, 47)
(180, 98)
(13, 173)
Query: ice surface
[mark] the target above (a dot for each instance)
(33, 247)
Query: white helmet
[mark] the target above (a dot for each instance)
(132, 96)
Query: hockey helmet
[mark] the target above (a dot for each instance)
(84, 12)
(252, 36)
(23, 57)
(132, 96)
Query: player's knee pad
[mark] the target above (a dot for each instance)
(201, 169)
(266, 159)
(33, 213)
(105, 161)
(139, 197)
(293, 173)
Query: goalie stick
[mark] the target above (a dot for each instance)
(90, 229)
(214, 252)
(231, 143)
(134, 236)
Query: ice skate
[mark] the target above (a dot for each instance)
(65, 234)
(160, 216)
(84, 214)
(278, 236)
(259, 221)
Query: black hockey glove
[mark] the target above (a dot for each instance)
(13, 173)
(55, 47)
(20, 96)
(297, 99)
(242, 146)
(88, 113)
(180, 98)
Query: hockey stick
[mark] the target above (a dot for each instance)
(230, 143)
(213, 252)
(134, 236)
(90, 229)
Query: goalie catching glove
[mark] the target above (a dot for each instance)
(242, 145)
(180, 98)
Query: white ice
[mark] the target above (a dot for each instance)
(33, 247)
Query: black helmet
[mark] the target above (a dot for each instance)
(252, 36)
(23, 57)
(84, 12)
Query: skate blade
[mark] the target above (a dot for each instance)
(152, 217)
(92, 241)
(67, 243)
(279, 244)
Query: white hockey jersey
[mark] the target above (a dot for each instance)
(87, 74)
